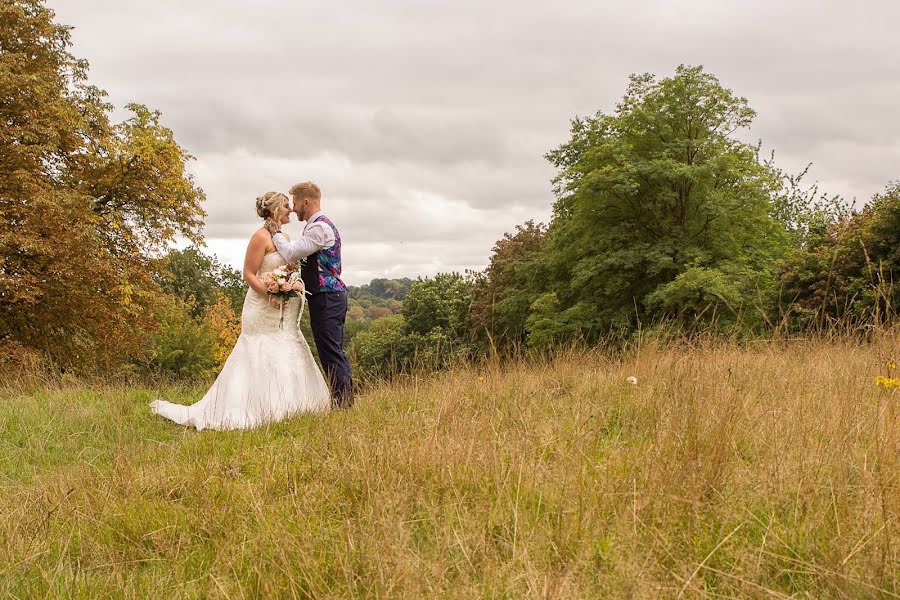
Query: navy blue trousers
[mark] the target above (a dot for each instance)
(327, 313)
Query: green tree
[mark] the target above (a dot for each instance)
(382, 349)
(851, 272)
(804, 211)
(139, 185)
(659, 187)
(182, 345)
(513, 280)
(439, 303)
(433, 330)
(192, 274)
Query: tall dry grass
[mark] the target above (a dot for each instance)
(766, 470)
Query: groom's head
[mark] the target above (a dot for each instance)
(307, 199)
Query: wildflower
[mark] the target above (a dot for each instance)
(481, 378)
(632, 380)
(887, 382)
(892, 366)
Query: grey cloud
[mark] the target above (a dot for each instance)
(426, 122)
(382, 134)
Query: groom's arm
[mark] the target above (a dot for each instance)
(315, 238)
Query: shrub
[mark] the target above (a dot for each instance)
(181, 346)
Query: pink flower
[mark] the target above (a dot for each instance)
(297, 287)
(272, 287)
(285, 287)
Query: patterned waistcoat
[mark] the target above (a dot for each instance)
(321, 271)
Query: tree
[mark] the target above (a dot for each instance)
(75, 281)
(804, 211)
(433, 329)
(439, 303)
(182, 345)
(851, 272)
(225, 327)
(48, 112)
(511, 283)
(139, 186)
(657, 188)
(190, 273)
(383, 348)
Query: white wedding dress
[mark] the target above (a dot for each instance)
(269, 375)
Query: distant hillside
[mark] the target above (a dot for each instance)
(378, 298)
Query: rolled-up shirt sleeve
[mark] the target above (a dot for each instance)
(315, 237)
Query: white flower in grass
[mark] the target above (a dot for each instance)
(632, 380)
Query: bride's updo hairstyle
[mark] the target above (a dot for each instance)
(268, 204)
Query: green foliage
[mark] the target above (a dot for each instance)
(803, 211)
(378, 298)
(657, 188)
(433, 330)
(504, 293)
(383, 348)
(663, 215)
(698, 297)
(141, 190)
(547, 324)
(850, 272)
(439, 303)
(382, 289)
(182, 346)
(191, 274)
(368, 305)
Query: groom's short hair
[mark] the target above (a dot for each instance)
(307, 189)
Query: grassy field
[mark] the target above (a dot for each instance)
(726, 472)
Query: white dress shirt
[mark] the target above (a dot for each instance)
(315, 237)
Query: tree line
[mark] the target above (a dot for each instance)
(664, 222)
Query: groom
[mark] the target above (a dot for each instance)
(321, 272)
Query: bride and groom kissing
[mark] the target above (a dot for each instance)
(270, 373)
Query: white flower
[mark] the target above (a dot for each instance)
(632, 380)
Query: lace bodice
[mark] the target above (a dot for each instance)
(270, 261)
(258, 316)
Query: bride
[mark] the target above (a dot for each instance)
(270, 373)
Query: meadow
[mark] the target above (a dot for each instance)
(754, 471)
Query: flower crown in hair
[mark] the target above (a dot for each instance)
(261, 209)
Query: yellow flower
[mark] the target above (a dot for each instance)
(892, 366)
(481, 378)
(887, 382)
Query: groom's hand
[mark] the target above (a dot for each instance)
(272, 228)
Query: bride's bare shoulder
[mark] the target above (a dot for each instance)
(261, 241)
(260, 236)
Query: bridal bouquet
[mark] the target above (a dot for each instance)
(285, 283)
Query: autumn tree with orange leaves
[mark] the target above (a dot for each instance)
(83, 203)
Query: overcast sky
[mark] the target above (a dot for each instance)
(425, 122)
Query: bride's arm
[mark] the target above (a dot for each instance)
(256, 250)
